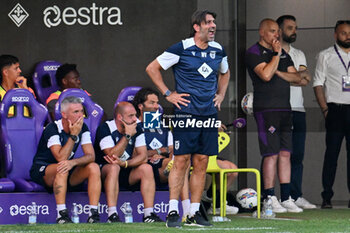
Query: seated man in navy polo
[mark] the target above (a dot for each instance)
(121, 152)
(54, 165)
(159, 144)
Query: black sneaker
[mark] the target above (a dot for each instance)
(152, 218)
(64, 217)
(326, 204)
(94, 218)
(173, 219)
(113, 218)
(197, 220)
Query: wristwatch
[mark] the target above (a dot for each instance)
(167, 93)
(128, 137)
(275, 54)
(74, 137)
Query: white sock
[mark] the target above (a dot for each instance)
(92, 207)
(59, 208)
(194, 208)
(112, 210)
(186, 205)
(147, 211)
(173, 205)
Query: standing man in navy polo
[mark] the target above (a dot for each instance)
(202, 75)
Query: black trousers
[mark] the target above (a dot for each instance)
(337, 127)
(297, 155)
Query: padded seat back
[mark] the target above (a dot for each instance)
(20, 132)
(44, 79)
(127, 94)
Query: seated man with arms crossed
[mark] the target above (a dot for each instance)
(54, 165)
(159, 144)
(121, 152)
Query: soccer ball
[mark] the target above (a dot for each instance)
(247, 103)
(247, 198)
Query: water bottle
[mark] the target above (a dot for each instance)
(128, 213)
(32, 214)
(75, 216)
(268, 213)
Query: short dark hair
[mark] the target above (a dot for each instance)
(7, 60)
(63, 70)
(141, 97)
(198, 17)
(282, 18)
(340, 22)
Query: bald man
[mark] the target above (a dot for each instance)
(122, 154)
(272, 70)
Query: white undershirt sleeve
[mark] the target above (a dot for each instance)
(320, 71)
(106, 142)
(170, 139)
(224, 65)
(53, 140)
(140, 140)
(167, 60)
(86, 138)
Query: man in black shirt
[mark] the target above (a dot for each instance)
(271, 70)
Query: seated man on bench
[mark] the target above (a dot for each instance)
(121, 152)
(159, 144)
(54, 165)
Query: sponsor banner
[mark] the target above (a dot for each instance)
(54, 15)
(57, 30)
(15, 207)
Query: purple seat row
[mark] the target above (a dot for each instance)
(21, 132)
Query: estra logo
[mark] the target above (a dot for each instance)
(85, 209)
(54, 16)
(27, 209)
(157, 208)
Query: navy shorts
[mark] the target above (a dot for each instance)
(124, 180)
(37, 173)
(192, 137)
(275, 131)
(155, 167)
